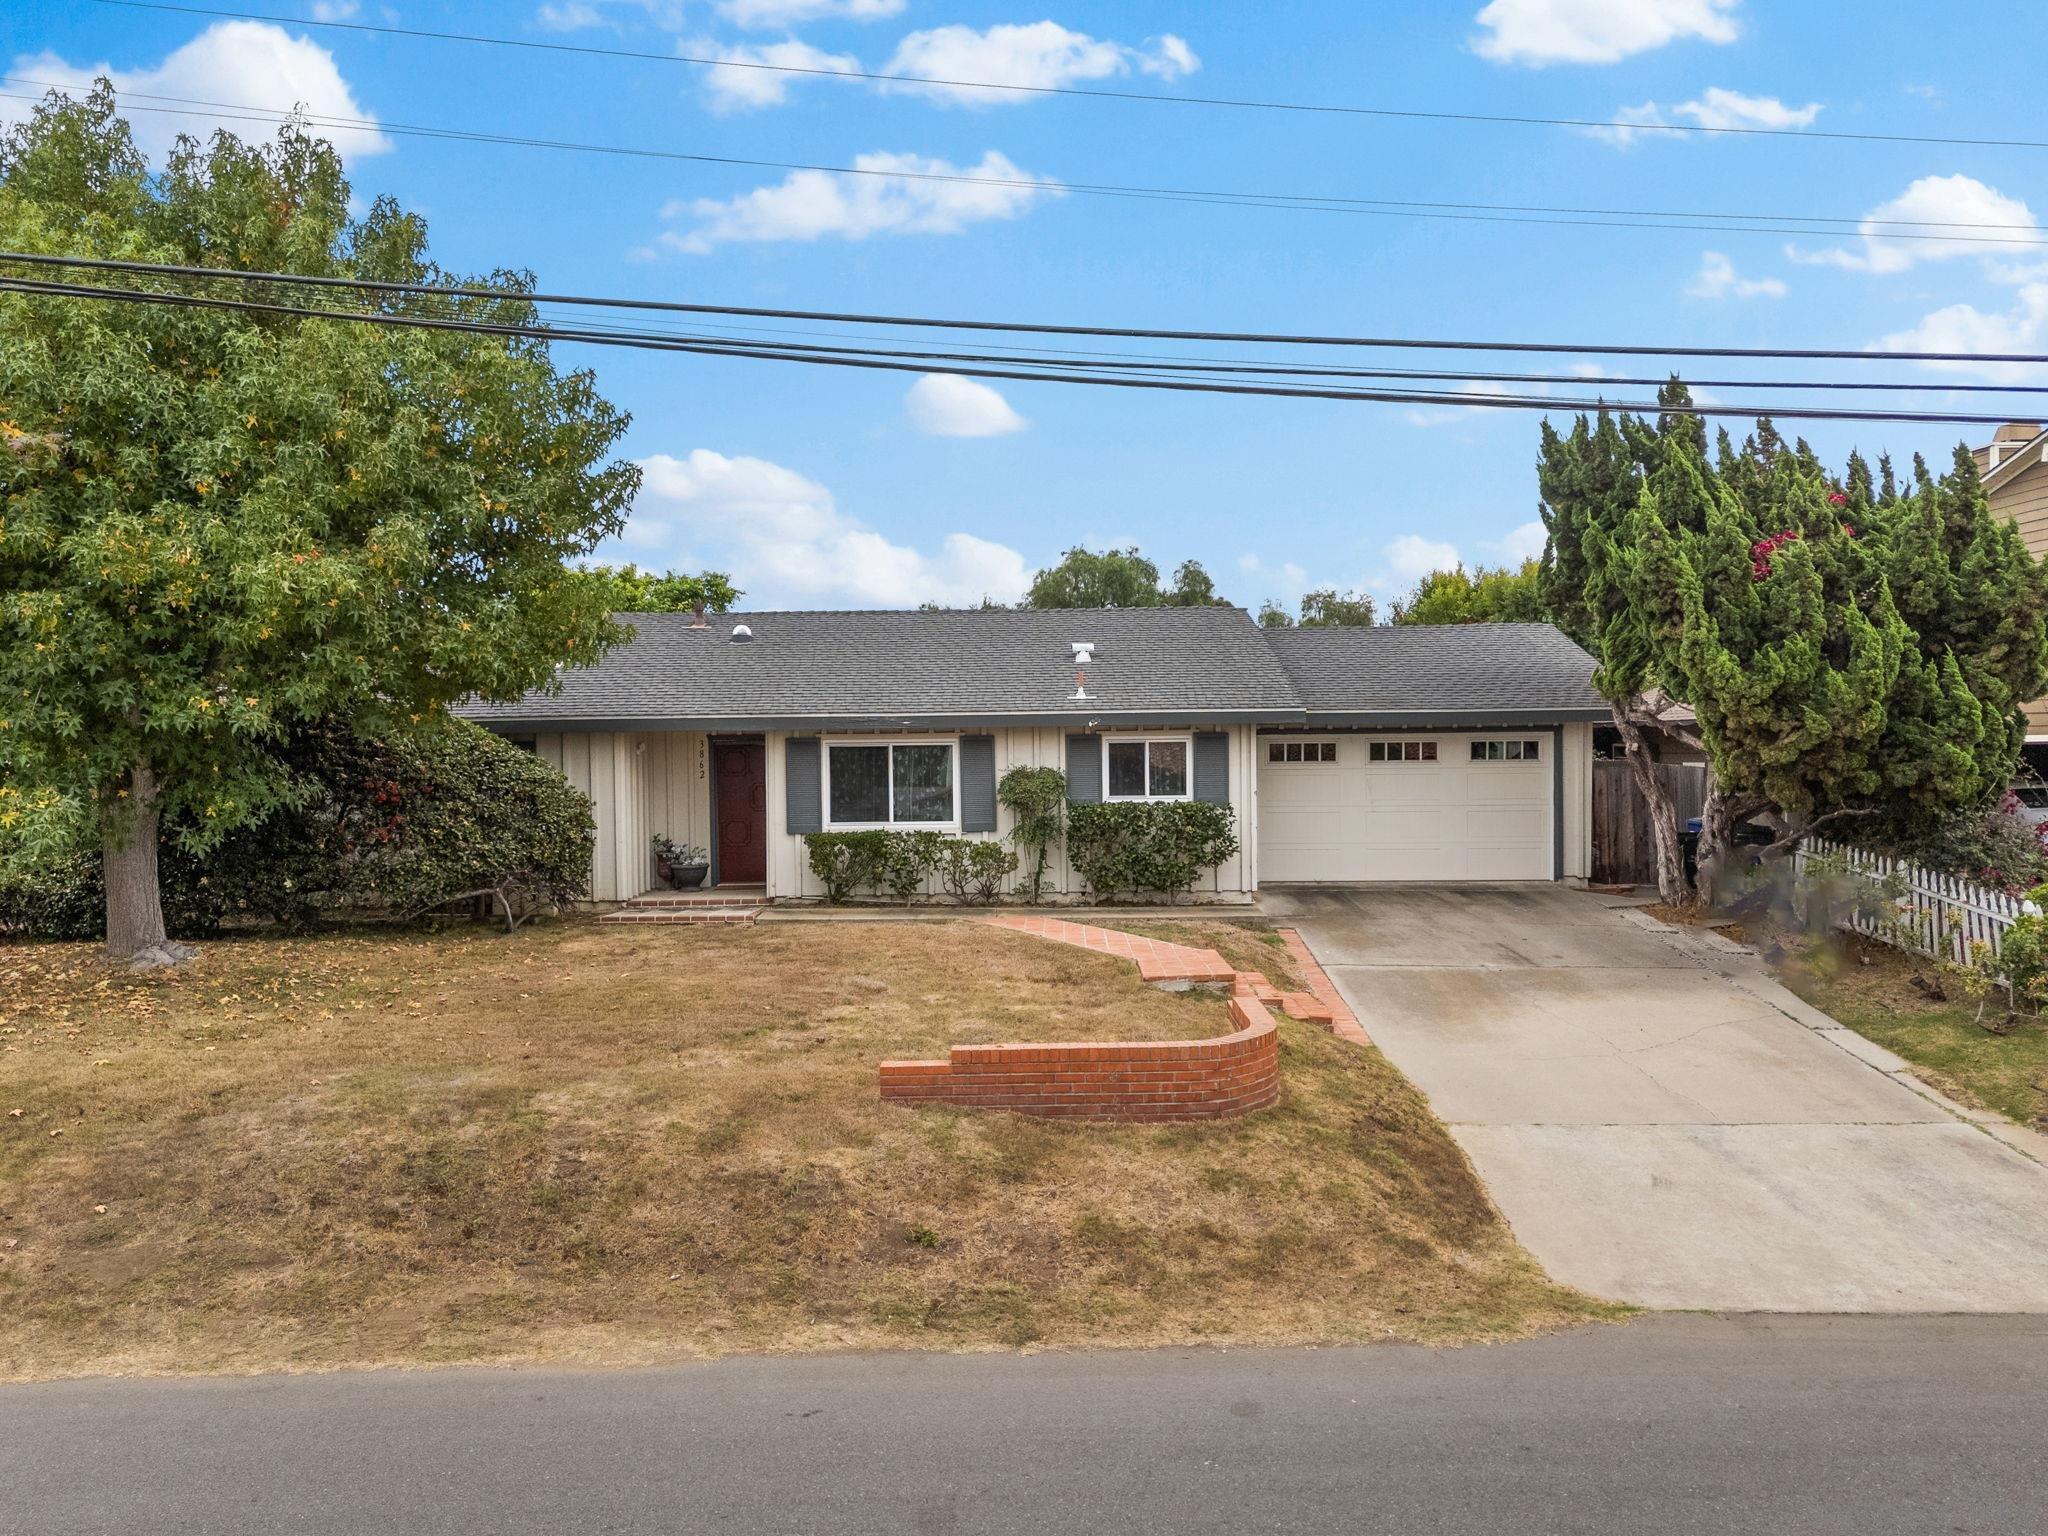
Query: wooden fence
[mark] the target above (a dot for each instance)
(1624, 852)
(1905, 905)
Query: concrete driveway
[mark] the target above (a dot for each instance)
(1662, 1123)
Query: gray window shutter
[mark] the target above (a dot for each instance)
(803, 784)
(1084, 769)
(977, 783)
(1212, 767)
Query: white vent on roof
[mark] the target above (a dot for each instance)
(741, 634)
(1084, 652)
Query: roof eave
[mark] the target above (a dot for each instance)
(1453, 719)
(510, 725)
(2010, 465)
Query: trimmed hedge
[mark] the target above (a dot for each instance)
(380, 829)
(898, 863)
(1138, 847)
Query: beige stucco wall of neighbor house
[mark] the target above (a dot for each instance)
(789, 873)
(639, 783)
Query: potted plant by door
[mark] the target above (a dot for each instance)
(682, 865)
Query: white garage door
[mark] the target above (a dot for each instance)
(1420, 806)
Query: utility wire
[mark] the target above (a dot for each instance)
(2025, 235)
(1197, 362)
(1041, 328)
(1098, 92)
(657, 342)
(1135, 364)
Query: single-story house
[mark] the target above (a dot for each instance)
(1347, 755)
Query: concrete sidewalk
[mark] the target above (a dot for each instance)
(1662, 1123)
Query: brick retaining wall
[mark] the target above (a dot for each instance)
(1134, 1080)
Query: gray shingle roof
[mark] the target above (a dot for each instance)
(969, 666)
(1439, 674)
(956, 666)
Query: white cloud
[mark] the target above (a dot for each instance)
(742, 89)
(1716, 108)
(787, 13)
(1039, 54)
(1522, 543)
(1724, 109)
(570, 16)
(1285, 580)
(1931, 200)
(1539, 32)
(1718, 279)
(575, 15)
(785, 541)
(1965, 328)
(247, 63)
(1403, 562)
(1410, 558)
(810, 205)
(336, 10)
(948, 405)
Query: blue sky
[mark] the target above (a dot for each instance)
(825, 487)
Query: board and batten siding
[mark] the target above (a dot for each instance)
(2024, 499)
(640, 784)
(789, 872)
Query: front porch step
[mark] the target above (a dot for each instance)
(717, 896)
(681, 913)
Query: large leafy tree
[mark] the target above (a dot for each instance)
(1485, 595)
(628, 589)
(219, 525)
(1324, 608)
(1118, 578)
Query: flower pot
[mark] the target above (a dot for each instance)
(688, 877)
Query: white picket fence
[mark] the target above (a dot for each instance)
(1936, 914)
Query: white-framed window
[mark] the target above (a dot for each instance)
(913, 784)
(1401, 752)
(1148, 767)
(1522, 751)
(1301, 751)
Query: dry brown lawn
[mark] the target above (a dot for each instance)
(614, 1145)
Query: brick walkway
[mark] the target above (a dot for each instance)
(1343, 1022)
(1156, 960)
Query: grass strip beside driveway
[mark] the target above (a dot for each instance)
(1869, 987)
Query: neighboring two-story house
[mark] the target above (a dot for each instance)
(2014, 467)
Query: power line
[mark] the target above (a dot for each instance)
(1041, 328)
(1097, 92)
(668, 343)
(1294, 202)
(1138, 363)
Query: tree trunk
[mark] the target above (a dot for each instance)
(135, 912)
(1672, 885)
(1718, 820)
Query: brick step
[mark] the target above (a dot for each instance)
(676, 915)
(1307, 1007)
(661, 900)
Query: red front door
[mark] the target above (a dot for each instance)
(740, 773)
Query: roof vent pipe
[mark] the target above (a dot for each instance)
(697, 619)
(1084, 652)
(741, 634)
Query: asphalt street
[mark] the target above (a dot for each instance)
(1670, 1424)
